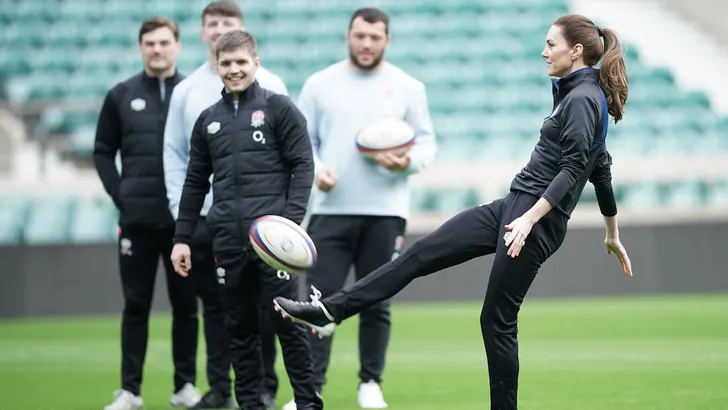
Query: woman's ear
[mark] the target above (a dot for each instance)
(576, 52)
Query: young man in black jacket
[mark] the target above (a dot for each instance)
(256, 144)
(131, 122)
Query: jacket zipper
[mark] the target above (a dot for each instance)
(238, 196)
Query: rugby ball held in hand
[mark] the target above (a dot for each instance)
(282, 244)
(385, 134)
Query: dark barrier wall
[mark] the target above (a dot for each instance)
(77, 280)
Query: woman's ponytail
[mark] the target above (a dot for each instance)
(613, 74)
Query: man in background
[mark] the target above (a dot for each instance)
(131, 122)
(197, 92)
(360, 208)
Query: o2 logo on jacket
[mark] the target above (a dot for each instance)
(259, 137)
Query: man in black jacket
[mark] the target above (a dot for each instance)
(256, 144)
(132, 122)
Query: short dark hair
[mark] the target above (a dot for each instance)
(222, 8)
(371, 15)
(158, 22)
(235, 39)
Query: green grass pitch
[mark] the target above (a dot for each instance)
(662, 353)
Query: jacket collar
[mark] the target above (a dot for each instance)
(562, 86)
(155, 81)
(246, 95)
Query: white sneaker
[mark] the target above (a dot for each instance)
(187, 396)
(371, 396)
(291, 405)
(124, 400)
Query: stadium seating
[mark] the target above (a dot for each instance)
(61, 220)
(13, 217)
(480, 60)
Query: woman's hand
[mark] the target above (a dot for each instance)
(614, 247)
(516, 234)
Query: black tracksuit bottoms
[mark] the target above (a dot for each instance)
(204, 276)
(366, 243)
(472, 233)
(139, 251)
(248, 287)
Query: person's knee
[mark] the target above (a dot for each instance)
(243, 330)
(208, 292)
(416, 248)
(213, 315)
(495, 321)
(212, 307)
(296, 340)
(137, 307)
(184, 304)
(424, 256)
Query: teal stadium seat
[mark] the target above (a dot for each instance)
(19, 90)
(423, 200)
(81, 141)
(49, 220)
(588, 195)
(53, 60)
(13, 217)
(642, 195)
(130, 12)
(114, 35)
(55, 120)
(708, 143)
(169, 9)
(7, 15)
(717, 194)
(721, 125)
(67, 35)
(642, 74)
(685, 194)
(93, 221)
(295, 8)
(80, 11)
(446, 201)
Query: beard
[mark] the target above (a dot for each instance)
(365, 67)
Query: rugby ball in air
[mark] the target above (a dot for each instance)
(385, 134)
(282, 244)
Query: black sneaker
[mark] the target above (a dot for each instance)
(269, 401)
(212, 400)
(312, 314)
